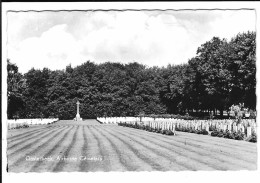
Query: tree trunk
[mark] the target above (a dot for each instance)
(221, 112)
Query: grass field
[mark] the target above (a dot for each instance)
(88, 146)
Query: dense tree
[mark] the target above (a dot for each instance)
(222, 73)
(15, 86)
(211, 75)
(242, 66)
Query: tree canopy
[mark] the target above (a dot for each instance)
(221, 74)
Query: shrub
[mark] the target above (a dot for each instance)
(186, 130)
(220, 134)
(192, 131)
(150, 129)
(227, 134)
(205, 132)
(158, 130)
(239, 136)
(177, 128)
(163, 131)
(253, 139)
(198, 132)
(232, 136)
(214, 133)
(169, 132)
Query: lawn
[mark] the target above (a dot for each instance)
(88, 146)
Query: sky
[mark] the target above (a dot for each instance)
(153, 38)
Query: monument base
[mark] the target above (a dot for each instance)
(77, 118)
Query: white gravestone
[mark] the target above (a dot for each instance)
(229, 127)
(235, 128)
(248, 131)
(207, 127)
(239, 127)
(242, 129)
(224, 128)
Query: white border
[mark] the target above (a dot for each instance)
(128, 5)
(208, 176)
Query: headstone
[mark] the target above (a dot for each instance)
(255, 130)
(196, 126)
(202, 126)
(235, 128)
(207, 127)
(173, 129)
(254, 127)
(224, 128)
(199, 126)
(229, 127)
(248, 131)
(242, 129)
(239, 127)
(220, 126)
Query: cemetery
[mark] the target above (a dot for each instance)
(112, 116)
(104, 144)
(133, 143)
(89, 146)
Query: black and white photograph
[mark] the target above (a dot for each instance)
(100, 89)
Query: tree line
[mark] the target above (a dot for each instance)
(222, 73)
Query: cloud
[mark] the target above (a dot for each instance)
(54, 49)
(135, 36)
(152, 38)
(233, 22)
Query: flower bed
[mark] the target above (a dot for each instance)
(229, 128)
(166, 130)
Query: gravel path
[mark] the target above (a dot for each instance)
(88, 146)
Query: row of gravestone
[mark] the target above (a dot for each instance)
(30, 122)
(115, 120)
(247, 126)
(170, 125)
(218, 126)
(245, 122)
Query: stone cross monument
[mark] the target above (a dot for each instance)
(78, 118)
